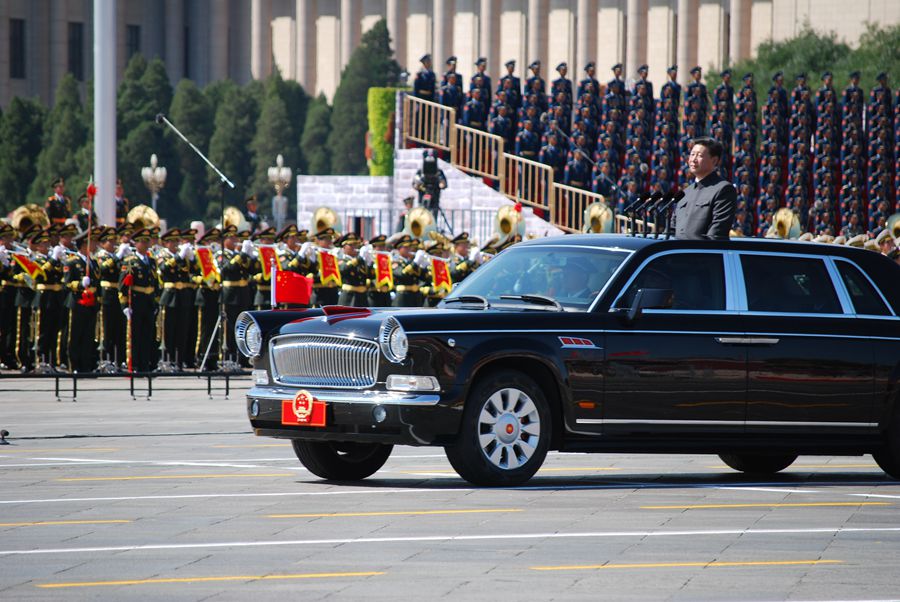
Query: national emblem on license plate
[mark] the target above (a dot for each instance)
(303, 410)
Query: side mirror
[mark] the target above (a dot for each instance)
(647, 298)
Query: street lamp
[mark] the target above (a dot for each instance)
(279, 177)
(154, 178)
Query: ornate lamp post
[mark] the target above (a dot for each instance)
(154, 178)
(280, 178)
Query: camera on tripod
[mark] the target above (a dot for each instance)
(429, 181)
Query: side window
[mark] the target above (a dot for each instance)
(789, 285)
(697, 279)
(864, 296)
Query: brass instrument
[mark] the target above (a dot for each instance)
(785, 224)
(598, 218)
(234, 217)
(419, 222)
(893, 225)
(142, 216)
(325, 217)
(25, 216)
(509, 223)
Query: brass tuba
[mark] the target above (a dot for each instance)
(509, 223)
(325, 217)
(419, 222)
(893, 225)
(142, 216)
(597, 218)
(233, 216)
(25, 216)
(785, 224)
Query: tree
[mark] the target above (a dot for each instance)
(191, 113)
(314, 142)
(21, 129)
(230, 146)
(64, 135)
(370, 65)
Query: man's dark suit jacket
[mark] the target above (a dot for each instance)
(707, 210)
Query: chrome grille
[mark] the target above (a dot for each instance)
(324, 361)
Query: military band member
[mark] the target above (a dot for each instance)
(189, 294)
(82, 278)
(123, 205)
(460, 265)
(323, 293)
(112, 322)
(85, 217)
(67, 233)
(431, 293)
(58, 206)
(175, 301)
(408, 268)
(263, 284)
(8, 288)
(52, 320)
(207, 306)
(27, 299)
(379, 296)
(354, 272)
(234, 267)
(138, 295)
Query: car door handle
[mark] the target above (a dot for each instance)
(747, 340)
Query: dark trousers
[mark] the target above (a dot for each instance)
(353, 299)
(24, 345)
(82, 344)
(143, 333)
(377, 299)
(8, 326)
(206, 317)
(232, 353)
(189, 358)
(113, 324)
(325, 296)
(175, 330)
(52, 315)
(408, 299)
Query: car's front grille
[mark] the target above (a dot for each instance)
(324, 361)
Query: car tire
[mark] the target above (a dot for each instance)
(340, 460)
(888, 457)
(758, 463)
(505, 431)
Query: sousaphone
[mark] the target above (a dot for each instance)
(325, 217)
(142, 216)
(598, 218)
(25, 216)
(419, 222)
(893, 225)
(509, 223)
(785, 224)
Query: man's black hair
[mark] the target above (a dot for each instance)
(714, 147)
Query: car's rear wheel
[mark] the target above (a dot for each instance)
(758, 463)
(505, 431)
(341, 461)
(888, 457)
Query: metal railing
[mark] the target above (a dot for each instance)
(429, 123)
(478, 153)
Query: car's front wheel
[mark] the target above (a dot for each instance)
(888, 457)
(762, 464)
(505, 431)
(341, 461)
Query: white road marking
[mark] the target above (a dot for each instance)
(450, 538)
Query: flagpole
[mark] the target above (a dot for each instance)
(273, 271)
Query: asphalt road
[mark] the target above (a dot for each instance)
(113, 498)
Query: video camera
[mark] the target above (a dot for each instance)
(429, 182)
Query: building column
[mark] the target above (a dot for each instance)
(634, 22)
(260, 38)
(59, 36)
(486, 36)
(440, 26)
(736, 34)
(582, 51)
(397, 32)
(346, 31)
(175, 39)
(218, 43)
(684, 40)
(104, 48)
(301, 35)
(534, 32)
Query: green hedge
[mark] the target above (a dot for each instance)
(381, 106)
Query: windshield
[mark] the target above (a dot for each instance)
(573, 276)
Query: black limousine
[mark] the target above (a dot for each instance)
(755, 350)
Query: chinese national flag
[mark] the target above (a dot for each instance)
(267, 256)
(440, 275)
(291, 287)
(207, 263)
(328, 268)
(31, 268)
(384, 272)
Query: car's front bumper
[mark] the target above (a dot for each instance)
(409, 418)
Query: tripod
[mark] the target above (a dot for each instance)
(223, 181)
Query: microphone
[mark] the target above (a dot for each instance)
(655, 198)
(667, 207)
(663, 200)
(159, 118)
(637, 206)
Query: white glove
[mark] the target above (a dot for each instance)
(127, 312)
(365, 253)
(123, 251)
(486, 257)
(421, 259)
(57, 253)
(186, 251)
(247, 248)
(475, 256)
(4, 256)
(308, 250)
(86, 281)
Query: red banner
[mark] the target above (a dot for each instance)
(328, 269)
(30, 268)
(267, 255)
(208, 268)
(440, 275)
(384, 271)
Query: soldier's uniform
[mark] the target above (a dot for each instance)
(379, 296)
(460, 266)
(82, 303)
(8, 288)
(123, 205)
(234, 268)
(262, 297)
(354, 272)
(66, 232)
(515, 86)
(298, 262)
(139, 294)
(175, 301)
(481, 80)
(85, 218)
(326, 293)
(59, 207)
(424, 84)
(207, 307)
(562, 84)
(26, 302)
(52, 314)
(112, 322)
(431, 294)
(407, 275)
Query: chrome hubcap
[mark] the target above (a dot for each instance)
(509, 428)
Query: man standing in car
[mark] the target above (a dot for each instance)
(708, 207)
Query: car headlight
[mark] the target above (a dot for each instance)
(247, 335)
(394, 343)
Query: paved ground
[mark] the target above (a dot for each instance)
(172, 498)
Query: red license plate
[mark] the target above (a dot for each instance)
(303, 410)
